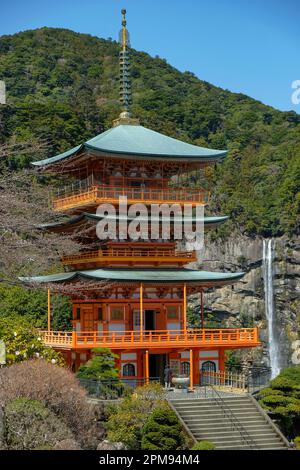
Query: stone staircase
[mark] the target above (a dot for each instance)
(238, 422)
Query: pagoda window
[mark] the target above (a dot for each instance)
(185, 368)
(78, 313)
(100, 314)
(128, 370)
(116, 313)
(172, 312)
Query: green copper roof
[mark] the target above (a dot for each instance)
(143, 275)
(208, 221)
(139, 141)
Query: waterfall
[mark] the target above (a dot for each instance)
(274, 354)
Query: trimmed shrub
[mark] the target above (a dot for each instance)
(30, 425)
(100, 367)
(204, 445)
(126, 420)
(297, 443)
(284, 384)
(282, 399)
(57, 389)
(162, 431)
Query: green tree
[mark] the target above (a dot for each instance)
(22, 342)
(162, 431)
(101, 366)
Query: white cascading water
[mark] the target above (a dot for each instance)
(274, 354)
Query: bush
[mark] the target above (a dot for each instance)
(282, 398)
(23, 342)
(297, 443)
(57, 389)
(204, 445)
(162, 431)
(100, 367)
(284, 384)
(30, 425)
(126, 420)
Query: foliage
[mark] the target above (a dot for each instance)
(126, 420)
(297, 442)
(282, 399)
(204, 445)
(233, 361)
(162, 431)
(58, 390)
(101, 366)
(22, 342)
(30, 425)
(32, 304)
(63, 88)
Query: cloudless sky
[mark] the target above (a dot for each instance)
(248, 46)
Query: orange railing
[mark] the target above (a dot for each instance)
(101, 193)
(121, 253)
(226, 337)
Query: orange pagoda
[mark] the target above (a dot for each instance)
(136, 290)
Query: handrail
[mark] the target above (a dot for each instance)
(157, 338)
(127, 252)
(98, 191)
(236, 424)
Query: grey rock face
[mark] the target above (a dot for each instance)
(243, 304)
(107, 445)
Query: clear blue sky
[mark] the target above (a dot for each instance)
(248, 46)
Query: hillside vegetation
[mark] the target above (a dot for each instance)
(63, 87)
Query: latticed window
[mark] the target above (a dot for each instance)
(128, 370)
(172, 312)
(185, 368)
(117, 313)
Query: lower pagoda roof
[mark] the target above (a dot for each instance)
(145, 275)
(211, 221)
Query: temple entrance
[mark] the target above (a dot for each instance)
(149, 320)
(157, 363)
(87, 318)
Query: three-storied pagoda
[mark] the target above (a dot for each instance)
(140, 312)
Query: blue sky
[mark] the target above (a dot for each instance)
(248, 46)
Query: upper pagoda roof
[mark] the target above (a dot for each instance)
(138, 141)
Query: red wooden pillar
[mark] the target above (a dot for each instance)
(202, 310)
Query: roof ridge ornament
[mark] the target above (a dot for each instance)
(125, 82)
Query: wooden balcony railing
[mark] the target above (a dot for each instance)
(97, 194)
(158, 339)
(132, 255)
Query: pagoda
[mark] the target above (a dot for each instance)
(136, 290)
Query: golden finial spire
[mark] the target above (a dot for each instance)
(125, 82)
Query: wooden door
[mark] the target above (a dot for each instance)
(87, 318)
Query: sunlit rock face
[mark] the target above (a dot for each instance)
(243, 305)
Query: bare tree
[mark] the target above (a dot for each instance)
(25, 249)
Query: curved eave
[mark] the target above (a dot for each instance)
(138, 142)
(150, 276)
(209, 222)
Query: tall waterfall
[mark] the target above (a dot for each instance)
(274, 353)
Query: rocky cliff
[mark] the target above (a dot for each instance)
(243, 304)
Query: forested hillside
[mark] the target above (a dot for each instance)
(63, 87)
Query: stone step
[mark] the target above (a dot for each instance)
(214, 428)
(206, 420)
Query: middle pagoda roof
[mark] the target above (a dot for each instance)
(138, 142)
